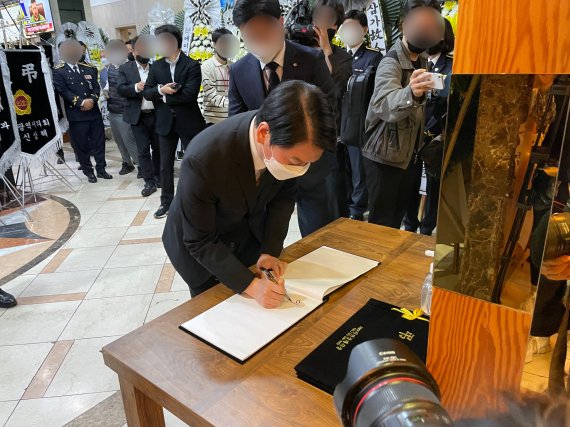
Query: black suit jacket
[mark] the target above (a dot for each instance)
(364, 57)
(184, 103)
(75, 88)
(220, 221)
(126, 80)
(247, 91)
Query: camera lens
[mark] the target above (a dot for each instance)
(558, 236)
(386, 385)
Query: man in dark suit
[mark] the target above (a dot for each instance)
(353, 33)
(237, 192)
(140, 113)
(270, 61)
(173, 85)
(78, 85)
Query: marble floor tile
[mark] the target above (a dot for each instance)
(36, 269)
(135, 255)
(113, 206)
(19, 284)
(164, 302)
(19, 365)
(106, 317)
(115, 282)
(92, 237)
(92, 196)
(35, 323)
(106, 220)
(53, 411)
(61, 283)
(144, 232)
(6, 409)
(178, 284)
(83, 370)
(86, 259)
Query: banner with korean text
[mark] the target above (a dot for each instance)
(9, 137)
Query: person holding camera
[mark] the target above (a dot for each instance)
(327, 17)
(395, 117)
(173, 85)
(270, 61)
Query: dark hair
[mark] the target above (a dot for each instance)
(219, 32)
(172, 30)
(296, 112)
(414, 4)
(448, 38)
(82, 43)
(130, 41)
(357, 15)
(244, 10)
(336, 6)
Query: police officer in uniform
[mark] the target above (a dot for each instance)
(352, 33)
(77, 83)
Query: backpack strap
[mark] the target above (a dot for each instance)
(394, 55)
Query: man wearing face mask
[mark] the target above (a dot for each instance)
(140, 113)
(173, 86)
(116, 52)
(327, 18)
(395, 117)
(78, 85)
(236, 192)
(352, 33)
(270, 61)
(216, 76)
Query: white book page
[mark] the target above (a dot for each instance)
(239, 326)
(324, 270)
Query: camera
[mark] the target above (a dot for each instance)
(558, 236)
(299, 26)
(438, 81)
(387, 385)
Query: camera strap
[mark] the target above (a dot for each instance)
(556, 384)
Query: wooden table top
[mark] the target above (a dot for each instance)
(201, 386)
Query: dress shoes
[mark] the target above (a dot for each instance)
(126, 169)
(104, 175)
(148, 189)
(357, 217)
(7, 300)
(161, 212)
(91, 178)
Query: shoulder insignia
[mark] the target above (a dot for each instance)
(85, 64)
(373, 49)
(60, 65)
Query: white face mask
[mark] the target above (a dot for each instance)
(282, 172)
(351, 35)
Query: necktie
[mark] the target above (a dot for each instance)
(430, 66)
(76, 69)
(271, 77)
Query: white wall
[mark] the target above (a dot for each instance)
(112, 14)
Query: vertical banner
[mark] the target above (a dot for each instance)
(9, 138)
(34, 103)
(375, 27)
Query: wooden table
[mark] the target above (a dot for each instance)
(161, 366)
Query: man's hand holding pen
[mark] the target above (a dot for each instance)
(268, 290)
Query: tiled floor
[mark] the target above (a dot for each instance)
(111, 277)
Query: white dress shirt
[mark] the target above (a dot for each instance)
(258, 163)
(143, 73)
(354, 49)
(172, 71)
(279, 60)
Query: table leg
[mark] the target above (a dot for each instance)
(141, 411)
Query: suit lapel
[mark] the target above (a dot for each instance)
(178, 69)
(253, 83)
(290, 67)
(246, 175)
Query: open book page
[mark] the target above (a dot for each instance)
(324, 270)
(239, 326)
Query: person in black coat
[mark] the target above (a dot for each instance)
(140, 113)
(77, 83)
(270, 61)
(173, 86)
(353, 33)
(237, 192)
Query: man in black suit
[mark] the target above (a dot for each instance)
(140, 113)
(77, 83)
(237, 192)
(270, 61)
(173, 85)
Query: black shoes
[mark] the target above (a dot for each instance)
(357, 217)
(148, 189)
(104, 175)
(161, 212)
(126, 169)
(60, 161)
(91, 178)
(7, 300)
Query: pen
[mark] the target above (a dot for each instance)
(271, 277)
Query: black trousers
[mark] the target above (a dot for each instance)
(147, 146)
(429, 221)
(168, 146)
(89, 138)
(337, 182)
(390, 190)
(358, 193)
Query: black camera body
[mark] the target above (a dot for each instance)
(299, 26)
(387, 385)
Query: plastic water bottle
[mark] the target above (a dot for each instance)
(426, 291)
